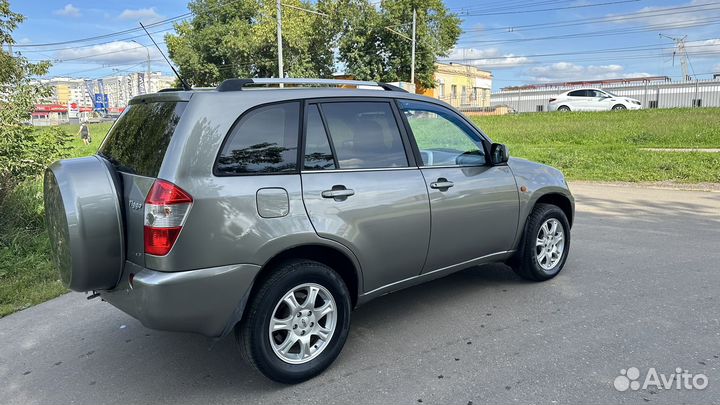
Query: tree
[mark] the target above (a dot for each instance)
(228, 39)
(372, 52)
(24, 150)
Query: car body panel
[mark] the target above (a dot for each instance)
(538, 180)
(386, 223)
(201, 301)
(475, 217)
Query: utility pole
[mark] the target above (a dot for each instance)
(279, 41)
(412, 63)
(682, 53)
(147, 79)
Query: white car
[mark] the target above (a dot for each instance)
(592, 100)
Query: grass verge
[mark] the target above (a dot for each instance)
(607, 146)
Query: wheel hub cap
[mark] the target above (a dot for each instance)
(550, 244)
(302, 323)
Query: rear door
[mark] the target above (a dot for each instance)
(136, 146)
(361, 187)
(473, 204)
(578, 100)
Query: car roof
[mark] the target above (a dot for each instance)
(289, 93)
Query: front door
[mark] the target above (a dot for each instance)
(473, 205)
(360, 189)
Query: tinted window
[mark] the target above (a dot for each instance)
(318, 154)
(264, 141)
(578, 93)
(365, 135)
(442, 137)
(138, 140)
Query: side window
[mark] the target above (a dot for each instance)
(577, 93)
(365, 135)
(442, 137)
(264, 141)
(318, 154)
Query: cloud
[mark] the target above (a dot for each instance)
(568, 71)
(144, 14)
(113, 53)
(708, 48)
(490, 58)
(68, 11)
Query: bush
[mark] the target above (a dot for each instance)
(25, 152)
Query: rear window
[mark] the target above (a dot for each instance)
(264, 141)
(137, 142)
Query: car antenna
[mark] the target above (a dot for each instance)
(185, 84)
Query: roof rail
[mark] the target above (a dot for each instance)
(239, 84)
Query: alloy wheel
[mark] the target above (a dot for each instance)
(302, 323)
(550, 244)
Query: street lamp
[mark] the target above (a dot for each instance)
(147, 79)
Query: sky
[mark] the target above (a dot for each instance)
(519, 41)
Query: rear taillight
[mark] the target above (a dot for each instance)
(552, 99)
(166, 208)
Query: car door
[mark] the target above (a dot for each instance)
(473, 204)
(598, 101)
(578, 100)
(362, 189)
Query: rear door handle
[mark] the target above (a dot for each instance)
(441, 184)
(339, 193)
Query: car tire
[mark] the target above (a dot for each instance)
(619, 107)
(564, 108)
(542, 252)
(295, 352)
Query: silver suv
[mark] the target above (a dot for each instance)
(274, 211)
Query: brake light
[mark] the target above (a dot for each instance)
(552, 99)
(166, 208)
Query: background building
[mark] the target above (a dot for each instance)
(461, 86)
(118, 89)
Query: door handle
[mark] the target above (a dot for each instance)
(339, 193)
(441, 184)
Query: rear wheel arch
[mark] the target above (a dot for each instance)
(341, 263)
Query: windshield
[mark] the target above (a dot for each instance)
(137, 142)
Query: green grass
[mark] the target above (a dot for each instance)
(606, 146)
(586, 146)
(27, 277)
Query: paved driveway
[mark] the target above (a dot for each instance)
(640, 289)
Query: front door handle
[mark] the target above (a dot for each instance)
(339, 193)
(442, 184)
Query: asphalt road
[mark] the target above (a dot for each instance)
(640, 289)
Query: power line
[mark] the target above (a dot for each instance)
(590, 52)
(601, 33)
(608, 19)
(109, 35)
(552, 8)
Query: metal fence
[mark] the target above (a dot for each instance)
(691, 94)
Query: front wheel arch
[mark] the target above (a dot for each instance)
(558, 200)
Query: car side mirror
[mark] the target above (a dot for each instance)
(499, 154)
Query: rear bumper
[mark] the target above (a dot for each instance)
(206, 301)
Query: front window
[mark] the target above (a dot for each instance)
(443, 138)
